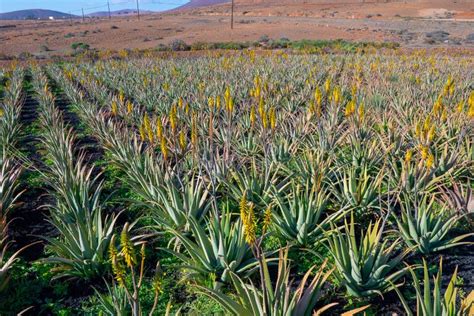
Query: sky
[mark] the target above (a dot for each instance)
(88, 5)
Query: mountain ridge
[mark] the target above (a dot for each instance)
(35, 14)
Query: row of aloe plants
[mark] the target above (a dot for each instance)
(77, 213)
(11, 165)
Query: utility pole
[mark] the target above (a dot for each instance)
(83, 15)
(232, 16)
(138, 10)
(108, 5)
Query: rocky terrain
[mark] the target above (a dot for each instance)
(413, 24)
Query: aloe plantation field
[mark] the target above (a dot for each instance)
(238, 184)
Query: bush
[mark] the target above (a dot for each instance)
(179, 46)
(200, 46)
(281, 43)
(264, 39)
(79, 46)
(162, 48)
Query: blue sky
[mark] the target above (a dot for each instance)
(88, 5)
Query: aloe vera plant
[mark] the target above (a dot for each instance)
(425, 226)
(280, 298)
(301, 215)
(216, 250)
(9, 185)
(257, 184)
(179, 201)
(358, 189)
(366, 264)
(431, 302)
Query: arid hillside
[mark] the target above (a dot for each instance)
(410, 23)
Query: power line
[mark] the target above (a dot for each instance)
(108, 5)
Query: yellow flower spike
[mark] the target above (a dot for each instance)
(119, 271)
(173, 118)
(250, 230)
(114, 109)
(121, 97)
(424, 152)
(164, 148)
(470, 112)
(470, 102)
(1, 112)
(418, 130)
(211, 102)
(437, 107)
(408, 156)
(142, 132)
(148, 129)
(218, 102)
(327, 86)
(347, 112)
(431, 133)
(430, 161)
(361, 111)
(128, 251)
(129, 107)
(318, 96)
(159, 129)
(180, 102)
(230, 105)
(146, 121)
(257, 81)
(182, 140)
(243, 204)
(186, 108)
(267, 219)
(354, 91)
(350, 108)
(150, 135)
(273, 120)
(252, 116)
(427, 124)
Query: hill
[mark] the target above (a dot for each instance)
(201, 3)
(35, 14)
(123, 12)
